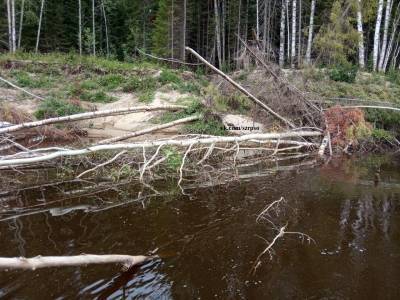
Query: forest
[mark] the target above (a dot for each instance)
(293, 33)
(213, 149)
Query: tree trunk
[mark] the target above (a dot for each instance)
(238, 31)
(184, 30)
(39, 26)
(299, 31)
(361, 50)
(105, 27)
(282, 34)
(9, 25)
(257, 19)
(21, 23)
(172, 29)
(80, 26)
(294, 21)
(388, 13)
(377, 35)
(93, 28)
(389, 50)
(13, 33)
(218, 32)
(310, 33)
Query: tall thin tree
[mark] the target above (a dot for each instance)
(361, 48)
(21, 23)
(39, 26)
(282, 34)
(377, 35)
(80, 26)
(294, 21)
(93, 28)
(388, 12)
(310, 32)
(105, 27)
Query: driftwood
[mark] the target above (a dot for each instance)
(242, 89)
(157, 143)
(89, 115)
(39, 262)
(21, 89)
(149, 130)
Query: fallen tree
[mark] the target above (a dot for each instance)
(242, 89)
(151, 144)
(39, 262)
(89, 115)
(149, 130)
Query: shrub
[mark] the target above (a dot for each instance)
(57, 108)
(174, 158)
(135, 84)
(111, 82)
(97, 97)
(168, 76)
(343, 72)
(382, 135)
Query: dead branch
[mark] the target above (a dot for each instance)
(149, 130)
(89, 115)
(242, 89)
(171, 60)
(39, 262)
(158, 143)
(21, 89)
(102, 165)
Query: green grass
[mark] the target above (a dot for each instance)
(56, 108)
(34, 81)
(147, 97)
(111, 82)
(96, 97)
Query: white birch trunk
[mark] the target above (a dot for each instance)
(21, 23)
(172, 29)
(39, 26)
(105, 27)
(299, 31)
(282, 34)
(310, 33)
(388, 13)
(258, 19)
(361, 49)
(377, 35)
(184, 30)
(93, 28)
(294, 21)
(13, 33)
(392, 39)
(80, 26)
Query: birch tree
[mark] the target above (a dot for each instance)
(294, 12)
(311, 32)
(39, 26)
(282, 34)
(361, 49)
(21, 23)
(103, 9)
(377, 35)
(9, 25)
(388, 12)
(218, 32)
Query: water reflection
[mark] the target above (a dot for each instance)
(207, 241)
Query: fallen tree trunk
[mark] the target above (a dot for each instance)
(158, 143)
(148, 130)
(39, 262)
(20, 89)
(242, 89)
(89, 115)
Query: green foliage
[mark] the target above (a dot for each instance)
(174, 158)
(111, 82)
(393, 75)
(382, 118)
(168, 76)
(161, 32)
(56, 108)
(382, 135)
(135, 84)
(344, 73)
(146, 97)
(210, 126)
(24, 79)
(96, 97)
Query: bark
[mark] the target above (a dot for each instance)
(310, 33)
(158, 143)
(392, 39)
(89, 115)
(282, 34)
(13, 33)
(184, 30)
(93, 28)
(293, 54)
(377, 35)
(9, 25)
(388, 13)
(299, 31)
(149, 130)
(257, 19)
(20, 89)
(80, 26)
(40, 262)
(218, 32)
(361, 50)
(21, 23)
(39, 26)
(242, 89)
(105, 27)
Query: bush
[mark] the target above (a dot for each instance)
(384, 119)
(57, 108)
(168, 76)
(344, 73)
(135, 84)
(97, 97)
(382, 135)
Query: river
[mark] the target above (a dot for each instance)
(208, 238)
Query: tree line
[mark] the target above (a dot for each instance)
(293, 33)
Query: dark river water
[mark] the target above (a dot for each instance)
(208, 240)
